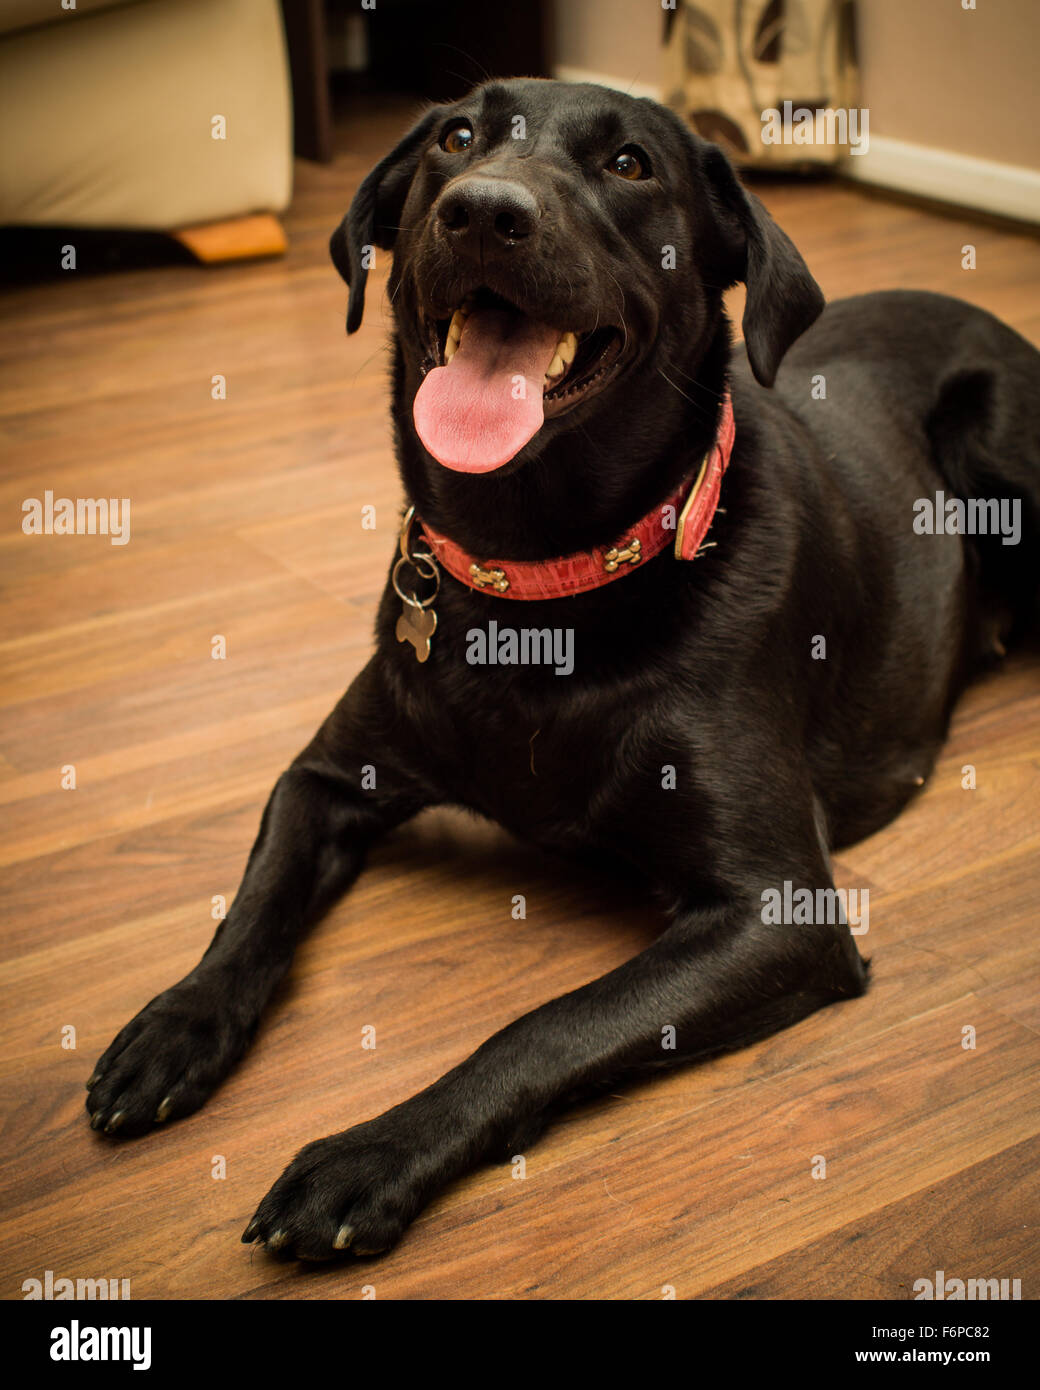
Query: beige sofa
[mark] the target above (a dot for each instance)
(108, 113)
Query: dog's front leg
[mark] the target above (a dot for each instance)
(714, 980)
(320, 819)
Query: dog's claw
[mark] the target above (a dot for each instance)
(169, 1058)
(116, 1120)
(251, 1232)
(347, 1194)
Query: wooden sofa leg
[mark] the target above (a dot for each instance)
(237, 239)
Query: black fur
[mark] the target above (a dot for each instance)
(704, 666)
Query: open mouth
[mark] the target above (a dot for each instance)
(493, 374)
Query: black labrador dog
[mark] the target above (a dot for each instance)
(716, 714)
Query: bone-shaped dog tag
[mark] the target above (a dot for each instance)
(417, 625)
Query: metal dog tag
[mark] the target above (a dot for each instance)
(418, 621)
(417, 625)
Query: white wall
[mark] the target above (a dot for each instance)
(615, 41)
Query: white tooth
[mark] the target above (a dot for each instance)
(555, 366)
(567, 347)
(451, 343)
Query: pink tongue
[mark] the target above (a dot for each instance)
(480, 410)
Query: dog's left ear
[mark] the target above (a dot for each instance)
(783, 299)
(375, 213)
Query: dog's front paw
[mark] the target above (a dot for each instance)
(352, 1193)
(167, 1060)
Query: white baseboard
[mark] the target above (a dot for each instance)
(1006, 189)
(564, 72)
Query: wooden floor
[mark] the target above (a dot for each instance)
(246, 523)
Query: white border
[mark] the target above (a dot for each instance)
(1006, 189)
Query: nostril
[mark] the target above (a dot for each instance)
(512, 225)
(454, 215)
(487, 215)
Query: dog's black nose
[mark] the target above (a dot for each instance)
(487, 215)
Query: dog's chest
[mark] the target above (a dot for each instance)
(552, 726)
(531, 751)
(536, 769)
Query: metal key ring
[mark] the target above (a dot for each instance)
(421, 562)
(405, 537)
(415, 562)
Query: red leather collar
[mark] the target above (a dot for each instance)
(683, 519)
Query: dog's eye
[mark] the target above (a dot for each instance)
(630, 164)
(459, 138)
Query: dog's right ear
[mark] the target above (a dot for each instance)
(783, 299)
(376, 211)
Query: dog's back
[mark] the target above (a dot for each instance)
(911, 479)
(979, 382)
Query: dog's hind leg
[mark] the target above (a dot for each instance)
(984, 430)
(318, 823)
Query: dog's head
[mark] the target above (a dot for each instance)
(553, 243)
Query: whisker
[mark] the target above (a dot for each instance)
(717, 395)
(621, 311)
(680, 390)
(469, 58)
